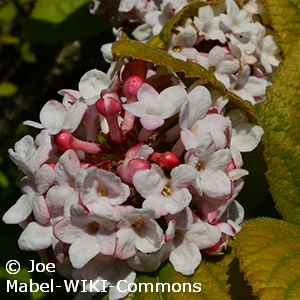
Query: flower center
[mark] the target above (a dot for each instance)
(93, 227)
(166, 191)
(176, 49)
(199, 166)
(102, 192)
(138, 223)
(177, 234)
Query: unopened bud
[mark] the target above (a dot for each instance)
(167, 159)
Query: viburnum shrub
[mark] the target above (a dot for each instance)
(140, 169)
(132, 169)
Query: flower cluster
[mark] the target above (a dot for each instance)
(132, 169)
(234, 42)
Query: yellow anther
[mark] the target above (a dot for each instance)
(138, 223)
(102, 192)
(166, 191)
(93, 227)
(176, 49)
(199, 166)
(177, 234)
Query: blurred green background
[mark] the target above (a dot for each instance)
(45, 46)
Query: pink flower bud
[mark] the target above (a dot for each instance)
(135, 67)
(167, 159)
(131, 87)
(133, 162)
(109, 104)
(127, 171)
(64, 141)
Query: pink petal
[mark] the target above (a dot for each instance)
(41, 210)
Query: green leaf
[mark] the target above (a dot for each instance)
(8, 12)
(53, 21)
(27, 54)
(219, 278)
(7, 89)
(285, 19)
(280, 119)
(7, 39)
(134, 49)
(4, 183)
(269, 254)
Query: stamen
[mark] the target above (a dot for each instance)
(93, 227)
(138, 223)
(102, 192)
(166, 191)
(199, 166)
(177, 234)
(176, 49)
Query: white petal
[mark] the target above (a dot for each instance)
(151, 122)
(245, 137)
(33, 124)
(53, 114)
(92, 83)
(185, 258)
(203, 235)
(35, 237)
(19, 212)
(74, 116)
(83, 250)
(146, 94)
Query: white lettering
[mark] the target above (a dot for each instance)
(41, 267)
(93, 288)
(197, 287)
(10, 285)
(119, 284)
(71, 286)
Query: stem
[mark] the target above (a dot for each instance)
(144, 135)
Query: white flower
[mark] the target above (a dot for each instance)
(209, 25)
(268, 51)
(245, 135)
(249, 87)
(182, 42)
(68, 183)
(102, 189)
(137, 231)
(153, 108)
(211, 166)
(33, 198)
(187, 237)
(194, 120)
(236, 20)
(91, 84)
(88, 233)
(55, 117)
(163, 194)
